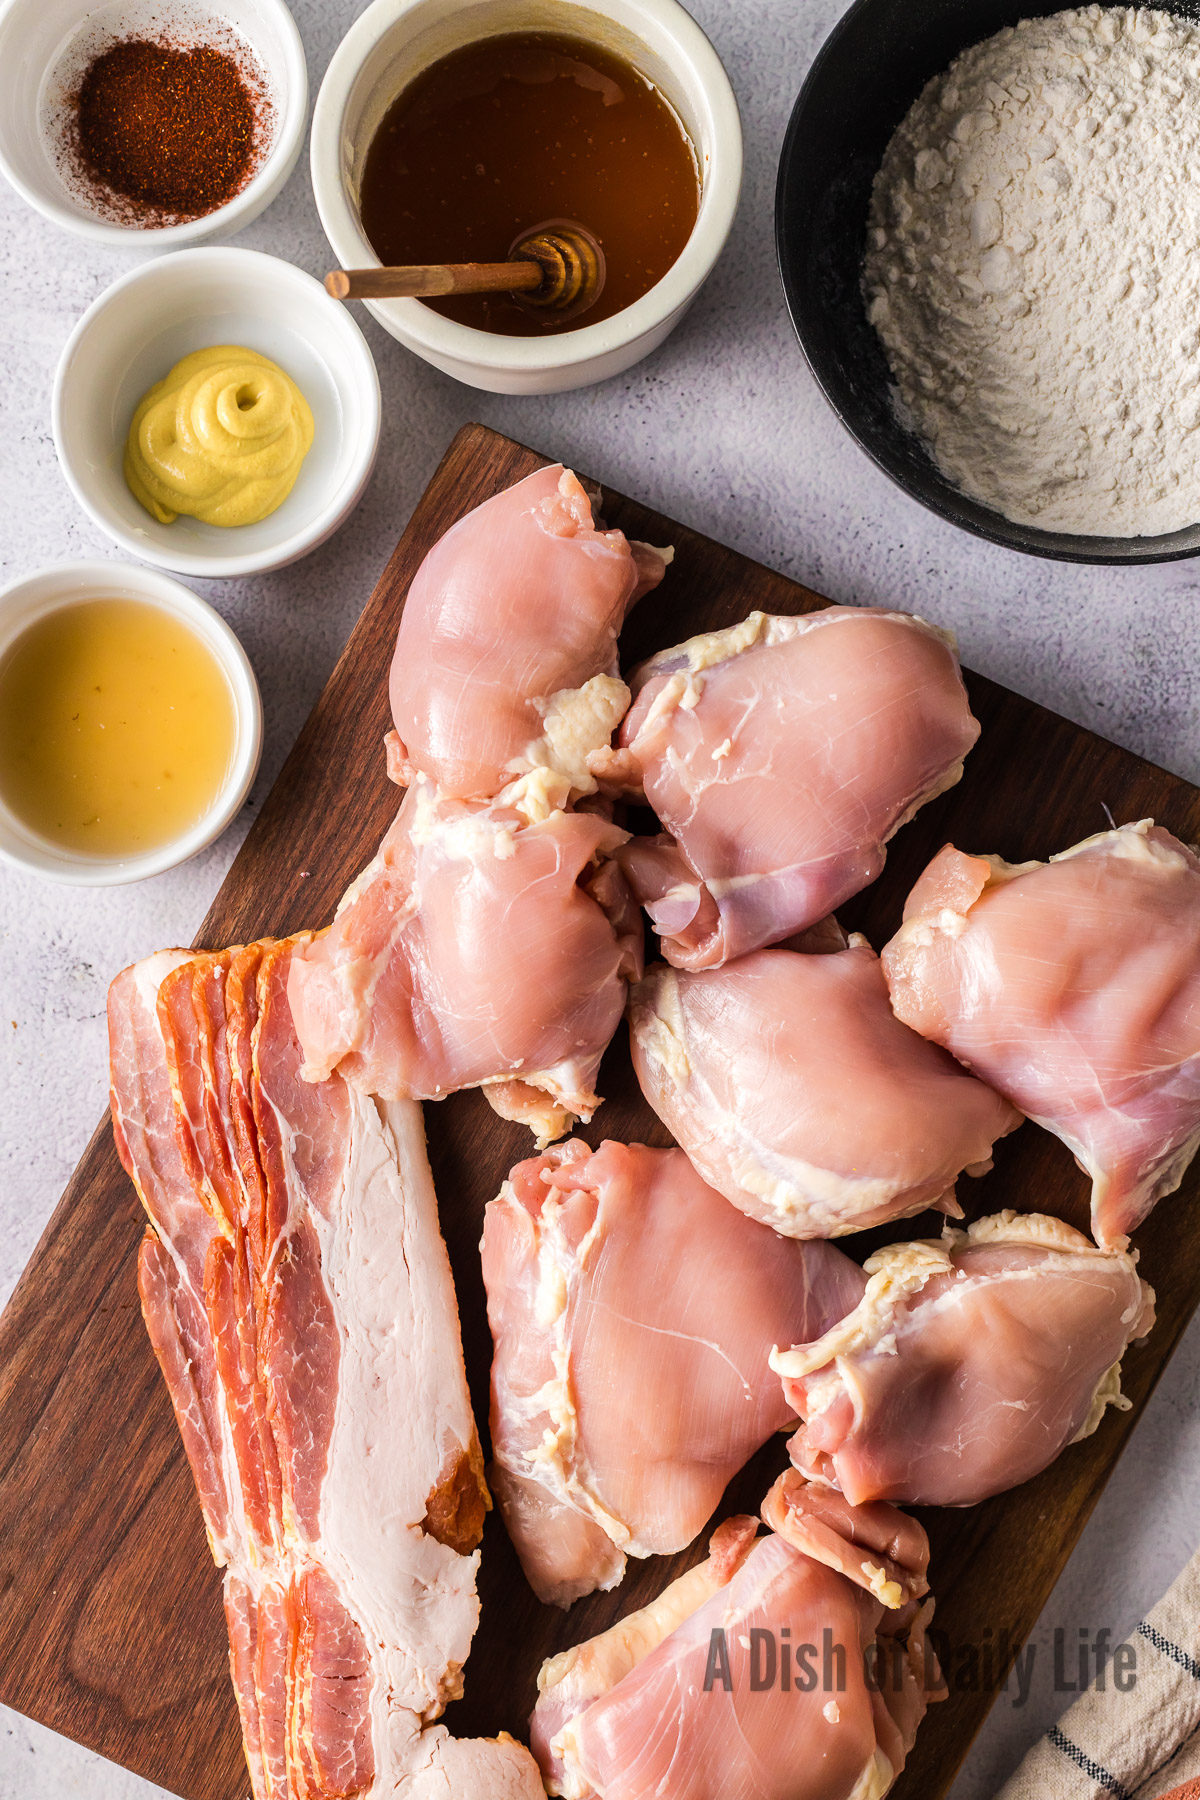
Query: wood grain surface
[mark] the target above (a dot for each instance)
(110, 1620)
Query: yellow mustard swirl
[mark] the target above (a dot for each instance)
(221, 438)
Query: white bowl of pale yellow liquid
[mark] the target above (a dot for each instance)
(130, 723)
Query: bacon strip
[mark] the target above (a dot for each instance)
(299, 1300)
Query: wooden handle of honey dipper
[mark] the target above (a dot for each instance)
(425, 280)
(560, 269)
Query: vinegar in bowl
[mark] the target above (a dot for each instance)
(117, 728)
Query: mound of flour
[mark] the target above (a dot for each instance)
(1033, 269)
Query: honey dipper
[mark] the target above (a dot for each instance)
(559, 268)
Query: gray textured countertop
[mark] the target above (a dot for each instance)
(722, 428)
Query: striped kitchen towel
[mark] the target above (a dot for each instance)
(1143, 1744)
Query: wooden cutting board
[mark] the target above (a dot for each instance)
(111, 1627)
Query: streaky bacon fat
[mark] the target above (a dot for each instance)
(299, 1299)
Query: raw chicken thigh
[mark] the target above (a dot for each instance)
(968, 1364)
(800, 1096)
(781, 755)
(519, 603)
(827, 1527)
(1073, 987)
(633, 1313)
(489, 941)
(665, 1702)
(487, 944)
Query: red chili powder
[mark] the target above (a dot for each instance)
(172, 131)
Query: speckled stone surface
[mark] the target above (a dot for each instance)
(722, 428)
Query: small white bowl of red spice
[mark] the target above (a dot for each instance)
(150, 124)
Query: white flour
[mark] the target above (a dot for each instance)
(1033, 269)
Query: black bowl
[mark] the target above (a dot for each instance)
(869, 71)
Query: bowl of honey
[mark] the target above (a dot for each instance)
(449, 131)
(130, 723)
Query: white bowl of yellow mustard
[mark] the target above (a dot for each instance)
(130, 723)
(205, 387)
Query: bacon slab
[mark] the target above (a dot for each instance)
(299, 1299)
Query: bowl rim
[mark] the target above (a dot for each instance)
(257, 194)
(980, 521)
(72, 582)
(357, 356)
(443, 340)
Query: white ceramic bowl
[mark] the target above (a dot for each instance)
(45, 46)
(394, 40)
(22, 604)
(162, 310)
